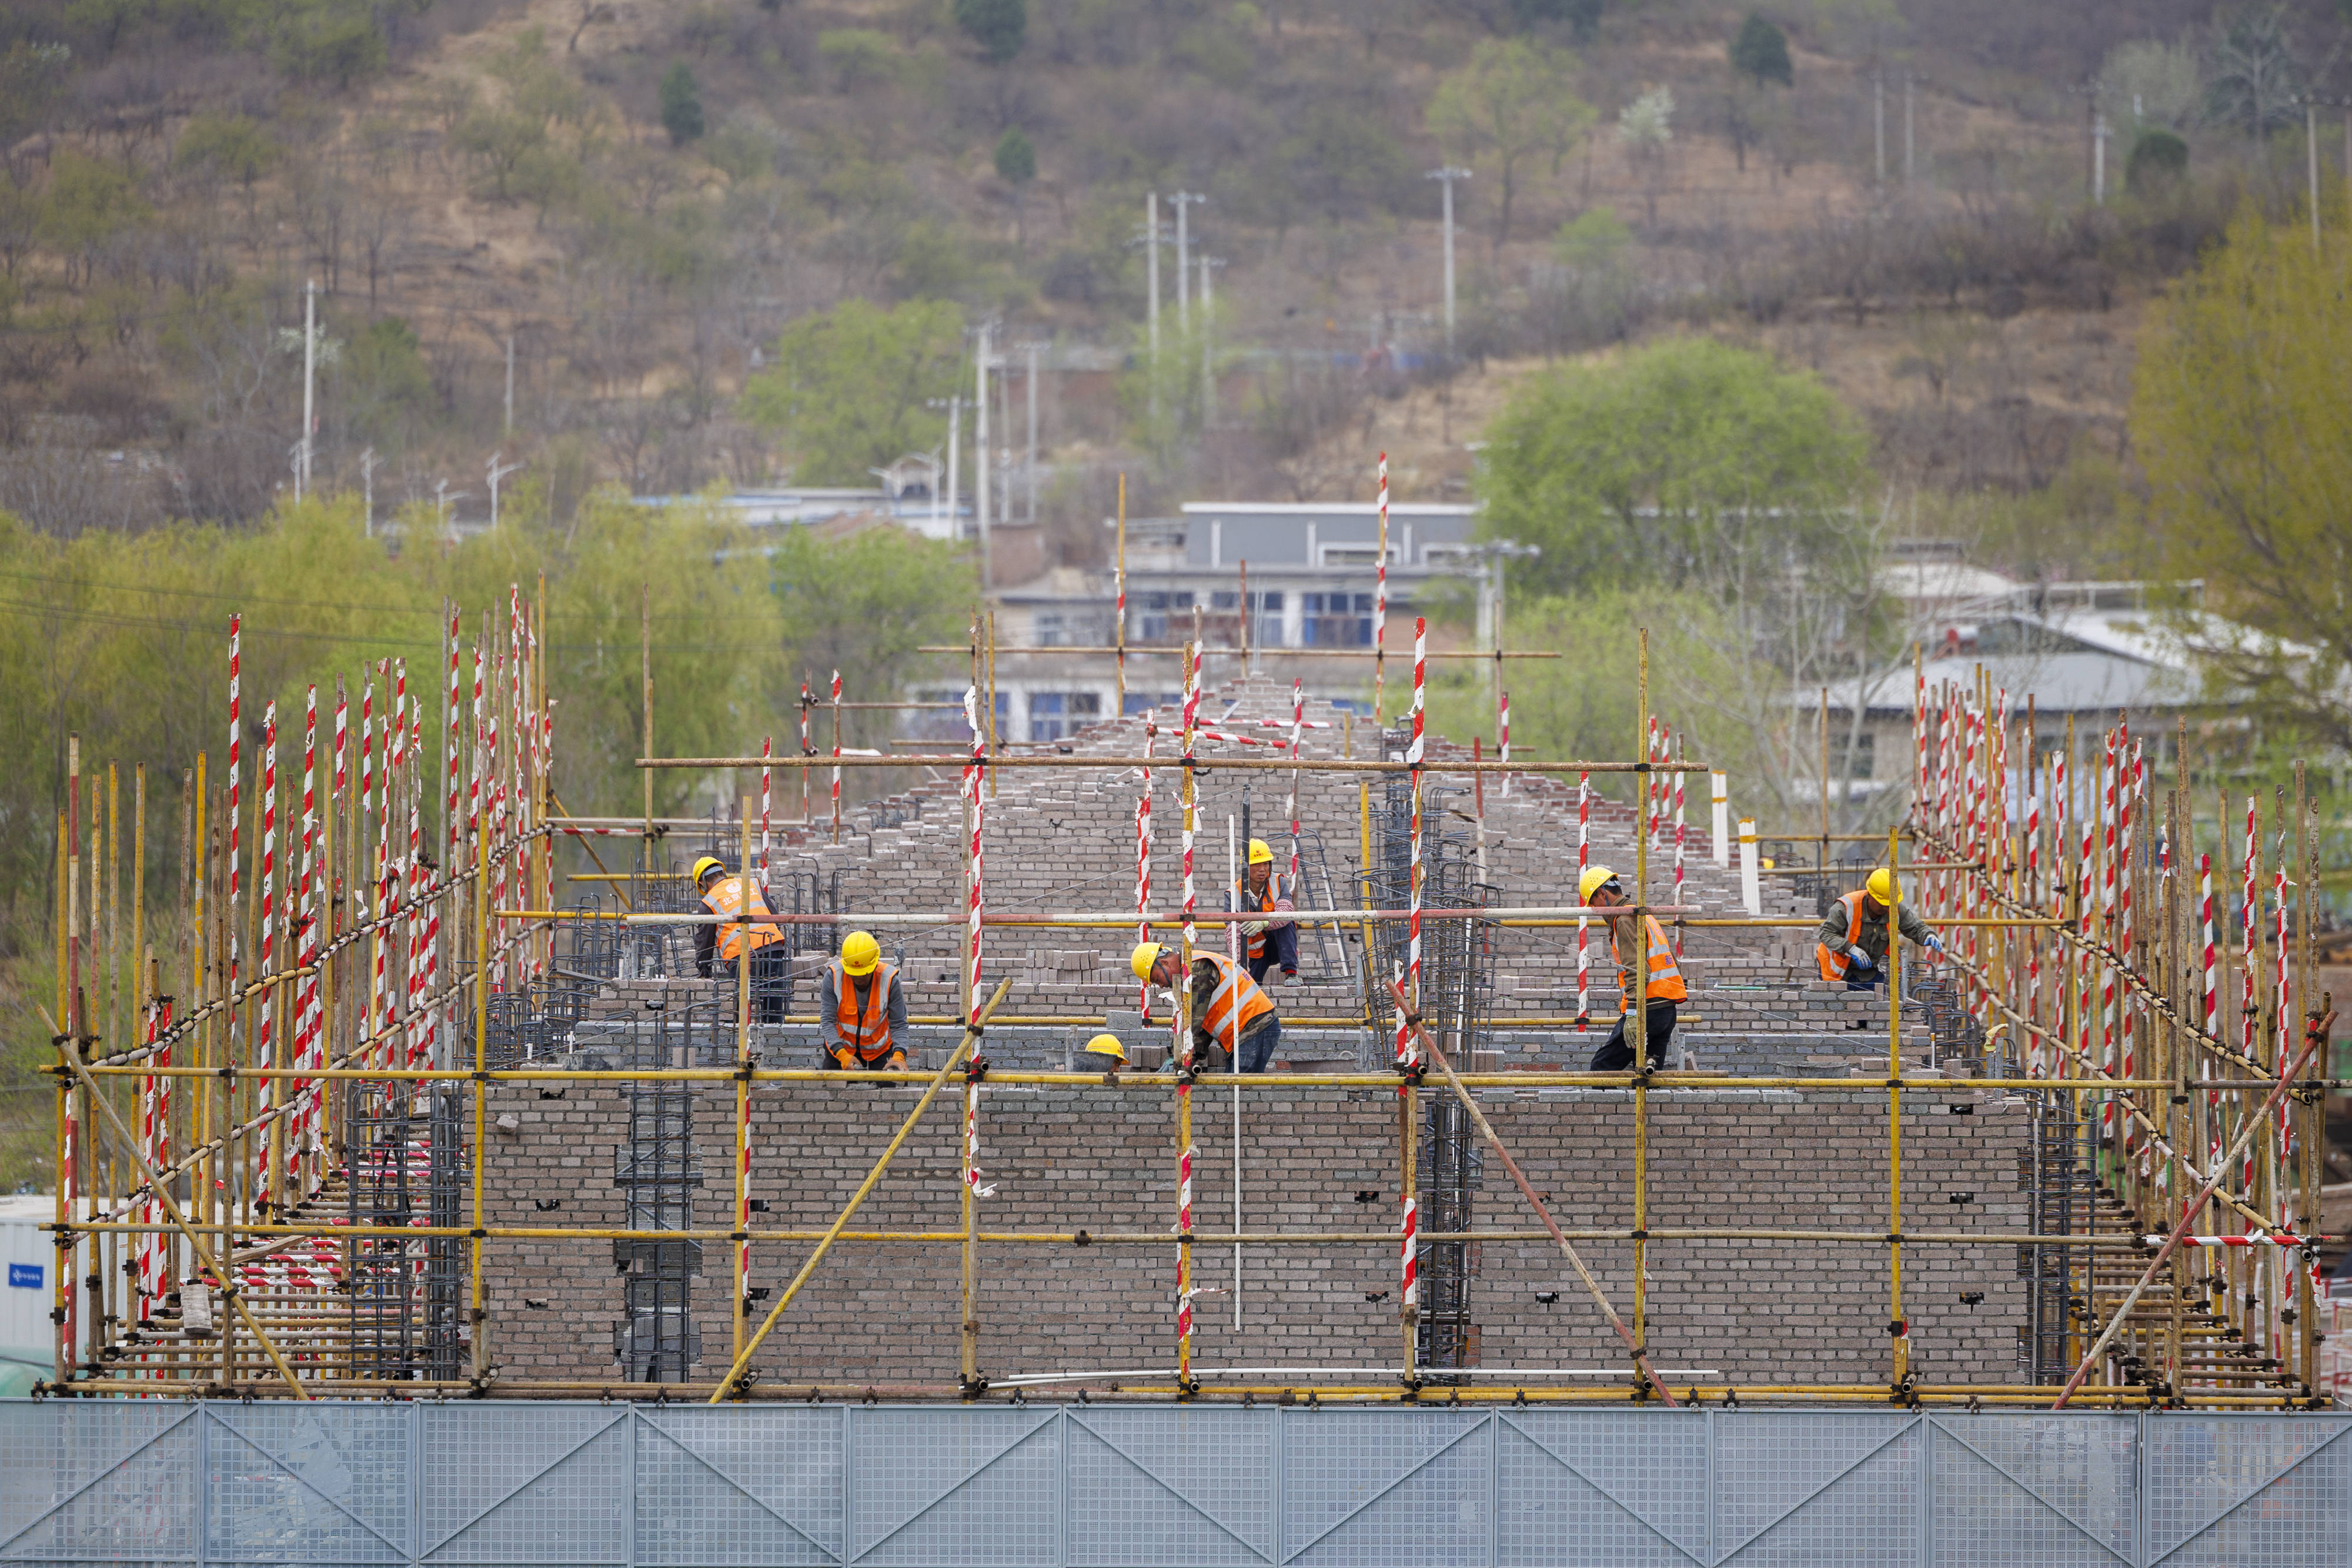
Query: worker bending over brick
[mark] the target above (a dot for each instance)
(1235, 1026)
(863, 1008)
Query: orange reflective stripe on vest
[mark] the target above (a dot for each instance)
(1665, 974)
(726, 899)
(1234, 1005)
(866, 1031)
(1834, 966)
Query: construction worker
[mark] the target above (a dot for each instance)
(1233, 1018)
(717, 947)
(1851, 945)
(1104, 1053)
(862, 1006)
(1663, 991)
(1267, 943)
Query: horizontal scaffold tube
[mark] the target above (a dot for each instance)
(1280, 764)
(1145, 1081)
(1517, 914)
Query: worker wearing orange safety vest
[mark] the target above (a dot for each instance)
(1233, 1021)
(1272, 940)
(1851, 943)
(862, 1008)
(1663, 991)
(741, 905)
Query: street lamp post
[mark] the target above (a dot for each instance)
(1445, 178)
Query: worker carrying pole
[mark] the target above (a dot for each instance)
(1663, 991)
(740, 904)
(863, 1008)
(1851, 945)
(1234, 1026)
(1273, 940)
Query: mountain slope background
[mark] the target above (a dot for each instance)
(639, 197)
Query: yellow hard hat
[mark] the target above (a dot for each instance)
(1145, 956)
(1595, 878)
(860, 952)
(1882, 885)
(704, 866)
(1259, 854)
(1108, 1045)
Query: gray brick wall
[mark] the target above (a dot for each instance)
(1065, 1159)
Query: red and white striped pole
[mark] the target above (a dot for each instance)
(1681, 838)
(1583, 922)
(1503, 736)
(299, 1113)
(236, 801)
(767, 750)
(807, 698)
(265, 1033)
(151, 1138)
(1184, 1045)
(1143, 857)
(836, 756)
(1408, 1051)
(1297, 722)
(2249, 913)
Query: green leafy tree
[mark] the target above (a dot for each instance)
(2158, 163)
(999, 26)
(1582, 17)
(87, 204)
(864, 603)
(1760, 52)
(333, 43)
(847, 391)
(1511, 104)
(1687, 458)
(2239, 420)
(1016, 165)
(681, 105)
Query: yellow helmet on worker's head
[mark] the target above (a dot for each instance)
(1145, 956)
(1260, 853)
(860, 952)
(1108, 1045)
(1594, 878)
(704, 866)
(1882, 885)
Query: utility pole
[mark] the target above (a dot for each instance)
(508, 429)
(497, 472)
(1878, 121)
(980, 449)
(1030, 386)
(367, 490)
(441, 500)
(2311, 162)
(309, 380)
(2098, 159)
(1183, 199)
(1151, 271)
(1909, 142)
(954, 405)
(1209, 264)
(1446, 177)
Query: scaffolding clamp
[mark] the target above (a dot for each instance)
(974, 1386)
(976, 1071)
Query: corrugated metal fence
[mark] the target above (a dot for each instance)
(85, 1481)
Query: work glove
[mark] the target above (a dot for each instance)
(1934, 949)
(898, 1061)
(1254, 927)
(1861, 957)
(846, 1059)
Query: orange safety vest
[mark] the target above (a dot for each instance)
(726, 899)
(866, 1032)
(1275, 897)
(1234, 1005)
(1665, 974)
(1834, 965)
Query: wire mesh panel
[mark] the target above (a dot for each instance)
(2248, 1491)
(938, 1486)
(718, 1488)
(1603, 1488)
(295, 1483)
(89, 1482)
(1194, 1485)
(522, 1484)
(1801, 1489)
(1398, 1488)
(2040, 1492)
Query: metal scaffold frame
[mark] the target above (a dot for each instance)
(315, 1100)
